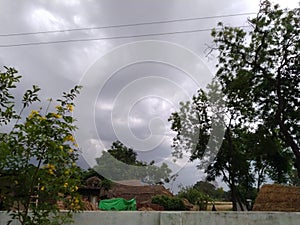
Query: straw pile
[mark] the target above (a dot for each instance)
(278, 198)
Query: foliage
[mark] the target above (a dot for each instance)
(124, 154)
(237, 154)
(169, 203)
(195, 196)
(37, 157)
(210, 190)
(121, 162)
(248, 193)
(259, 72)
(227, 158)
(271, 159)
(7, 82)
(294, 179)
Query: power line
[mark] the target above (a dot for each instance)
(125, 25)
(109, 38)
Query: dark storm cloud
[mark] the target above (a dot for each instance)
(58, 67)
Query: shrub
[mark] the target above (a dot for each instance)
(195, 197)
(38, 156)
(169, 203)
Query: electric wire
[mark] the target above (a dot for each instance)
(109, 38)
(124, 25)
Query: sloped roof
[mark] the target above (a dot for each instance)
(139, 193)
(131, 182)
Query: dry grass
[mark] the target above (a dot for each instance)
(278, 198)
(220, 206)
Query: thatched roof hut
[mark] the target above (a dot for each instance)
(134, 189)
(274, 197)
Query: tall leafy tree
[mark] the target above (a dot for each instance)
(121, 162)
(221, 155)
(124, 154)
(210, 190)
(259, 72)
(233, 155)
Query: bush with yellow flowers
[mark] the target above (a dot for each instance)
(38, 155)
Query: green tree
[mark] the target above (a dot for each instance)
(210, 190)
(121, 162)
(195, 196)
(270, 157)
(37, 157)
(259, 72)
(240, 152)
(124, 154)
(227, 159)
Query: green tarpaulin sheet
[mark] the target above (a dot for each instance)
(117, 204)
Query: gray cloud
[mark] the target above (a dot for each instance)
(58, 67)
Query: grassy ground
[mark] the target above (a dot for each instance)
(220, 206)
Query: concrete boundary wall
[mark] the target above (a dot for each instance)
(179, 218)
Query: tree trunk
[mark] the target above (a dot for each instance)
(290, 141)
(236, 200)
(233, 198)
(260, 178)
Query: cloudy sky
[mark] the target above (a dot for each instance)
(133, 76)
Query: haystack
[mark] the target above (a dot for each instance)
(274, 197)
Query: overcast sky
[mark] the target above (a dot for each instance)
(153, 75)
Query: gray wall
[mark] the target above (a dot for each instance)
(180, 218)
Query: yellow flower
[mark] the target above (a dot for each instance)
(74, 189)
(74, 164)
(70, 138)
(67, 172)
(61, 147)
(32, 114)
(50, 166)
(65, 185)
(58, 107)
(42, 188)
(58, 116)
(42, 118)
(71, 150)
(70, 107)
